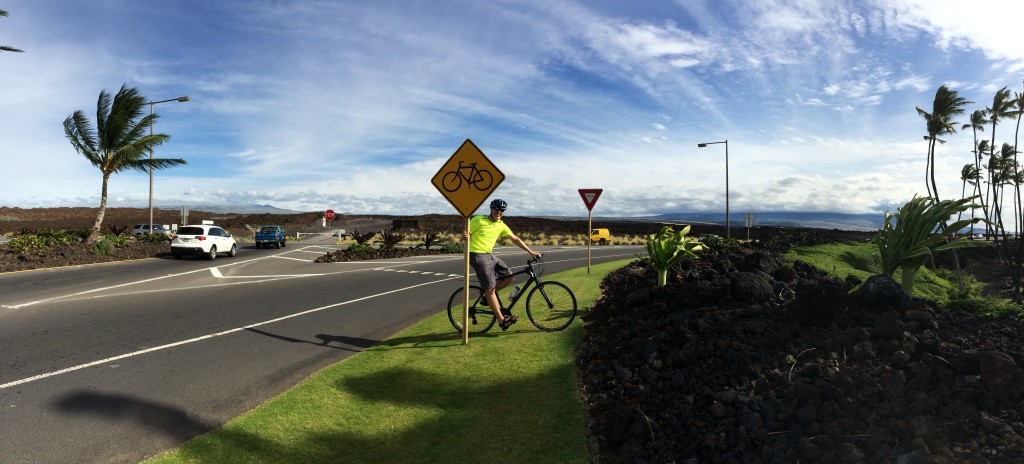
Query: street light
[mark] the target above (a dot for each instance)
(726, 142)
(179, 99)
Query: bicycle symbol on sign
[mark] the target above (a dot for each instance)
(481, 179)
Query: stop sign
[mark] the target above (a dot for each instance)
(329, 215)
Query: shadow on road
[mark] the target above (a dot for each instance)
(171, 421)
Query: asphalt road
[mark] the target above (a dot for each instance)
(117, 362)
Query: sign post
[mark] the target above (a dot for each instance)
(590, 197)
(329, 216)
(466, 180)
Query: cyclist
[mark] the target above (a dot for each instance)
(490, 270)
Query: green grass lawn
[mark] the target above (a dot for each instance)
(422, 396)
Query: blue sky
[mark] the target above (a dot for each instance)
(355, 105)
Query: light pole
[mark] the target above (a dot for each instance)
(179, 99)
(726, 142)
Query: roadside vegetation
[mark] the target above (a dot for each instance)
(933, 283)
(422, 396)
(440, 238)
(993, 174)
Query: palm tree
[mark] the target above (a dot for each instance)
(1001, 108)
(945, 106)
(978, 121)
(4, 48)
(969, 174)
(119, 142)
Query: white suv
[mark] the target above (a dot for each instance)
(205, 239)
(144, 229)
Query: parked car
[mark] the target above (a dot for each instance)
(601, 237)
(204, 239)
(268, 236)
(140, 229)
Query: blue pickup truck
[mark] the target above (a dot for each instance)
(268, 236)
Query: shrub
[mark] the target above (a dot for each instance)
(452, 247)
(357, 248)
(117, 240)
(42, 241)
(29, 244)
(104, 247)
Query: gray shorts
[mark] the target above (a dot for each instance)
(489, 269)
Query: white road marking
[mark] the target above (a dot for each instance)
(205, 337)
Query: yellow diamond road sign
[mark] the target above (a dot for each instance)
(467, 178)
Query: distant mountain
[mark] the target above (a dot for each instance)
(817, 220)
(236, 209)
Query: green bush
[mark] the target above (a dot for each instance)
(29, 244)
(452, 247)
(357, 248)
(117, 240)
(40, 242)
(103, 247)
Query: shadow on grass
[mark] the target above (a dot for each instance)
(465, 421)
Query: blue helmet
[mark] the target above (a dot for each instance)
(499, 205)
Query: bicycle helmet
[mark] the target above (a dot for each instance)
(499, 205)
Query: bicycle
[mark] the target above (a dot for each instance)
(550, 305)
(479, 178)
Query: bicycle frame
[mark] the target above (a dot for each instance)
(533, 280)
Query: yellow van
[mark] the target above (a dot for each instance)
(601, 237)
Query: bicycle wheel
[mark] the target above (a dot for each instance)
(551, 306)
(481, 319)
(451, 181)
(483, 180)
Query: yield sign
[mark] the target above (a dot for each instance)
(467, 178)
(590, 197)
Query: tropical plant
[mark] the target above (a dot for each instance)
(430, 237)
(119, 142)
(362, 237)
(389, 239)
(5, 48)
(916, 236)
(939, 121)
(667, 248)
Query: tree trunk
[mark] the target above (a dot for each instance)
(94, 236)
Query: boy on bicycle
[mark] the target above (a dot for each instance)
(490, 270)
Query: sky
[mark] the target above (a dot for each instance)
(354, 106)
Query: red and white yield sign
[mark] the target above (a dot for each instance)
(329, 215)
(590, 197)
